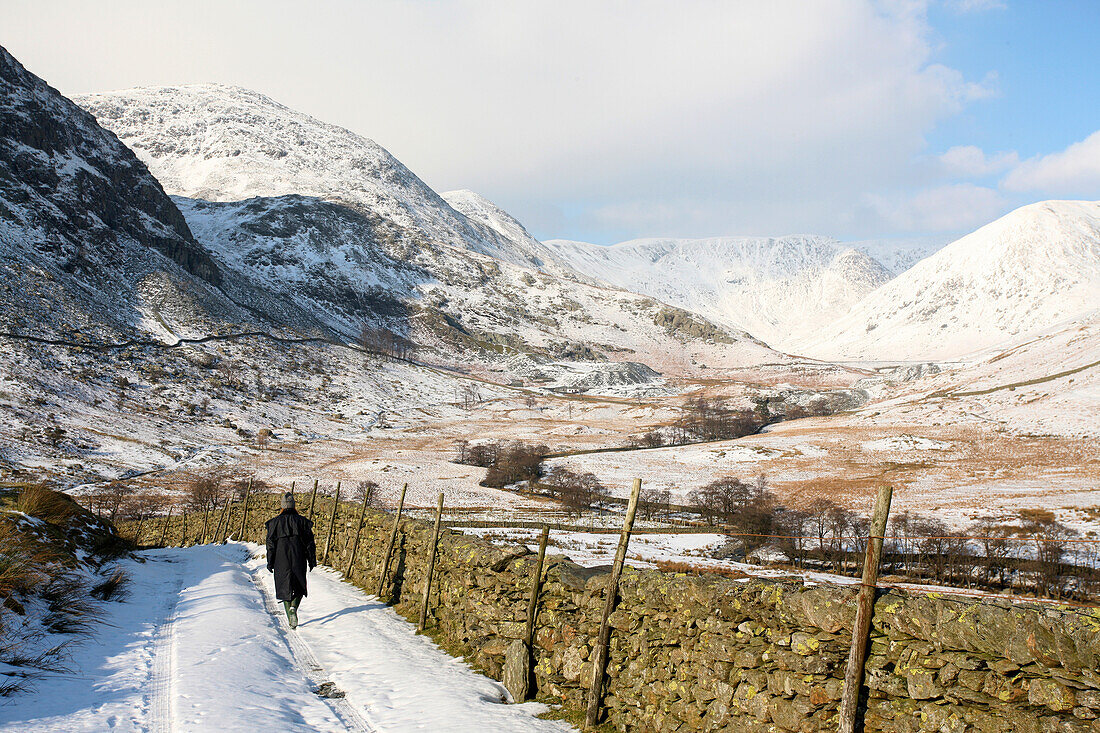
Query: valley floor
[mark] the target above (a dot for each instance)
(197, 646)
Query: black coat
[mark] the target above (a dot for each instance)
(290, 547)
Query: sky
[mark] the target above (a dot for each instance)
(606, 121)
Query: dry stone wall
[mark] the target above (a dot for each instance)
(708, 653)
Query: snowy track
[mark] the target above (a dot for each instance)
(308, 665)
(160, 693)
(200, 645)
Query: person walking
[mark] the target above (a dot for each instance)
(290, 548)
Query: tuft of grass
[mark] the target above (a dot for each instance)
(574, 716)
(46, 504)
(68, 609)
(114, 587)
(23, 562)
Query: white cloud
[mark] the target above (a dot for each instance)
(949, 208)
(969, 161)
(712, 117)
(1073, 172)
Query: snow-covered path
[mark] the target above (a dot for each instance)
(196, 648)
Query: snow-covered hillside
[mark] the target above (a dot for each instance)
(1029, 270)
(335, 225)
(349, 269)
(516, 245)
(224, 143)
(89, 242)
(1047, 383)
(899, 254)
(778, 289)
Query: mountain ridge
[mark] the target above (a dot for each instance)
(771, 287)
(1031, 269)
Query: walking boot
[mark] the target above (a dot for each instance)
(291, 614)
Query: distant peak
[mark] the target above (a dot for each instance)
(465, 195)
(203, 90)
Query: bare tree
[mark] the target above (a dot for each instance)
(469, 396)
(113, 495)
(362, 488)
(462, 451)
(206, 492)
(654, 502)
(1050, 537)
(747, 506)
(577, 491)
(792, 525)
(517, 462)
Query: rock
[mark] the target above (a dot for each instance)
(510, 553)
(789, 714)
(804, 644)
(201, 359)
(517, 670)
(573, 663)
(921, 684)
(329, 690)
(1052, 694)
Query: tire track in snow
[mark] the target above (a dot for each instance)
(162, 718)
(304, 659)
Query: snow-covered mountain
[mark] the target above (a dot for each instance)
(333, 224)
(349, 270)
(1029, 270)
(899, 254)
(224, 143)
(90, 243)
(516, 244)
(778, 289)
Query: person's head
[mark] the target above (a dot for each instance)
(287, 502)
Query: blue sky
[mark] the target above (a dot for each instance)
(605, 121)
(1045, 56)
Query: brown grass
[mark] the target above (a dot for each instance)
(114, 587)
(23, 562)
(675, 566)
(30, 567)
(46, 504)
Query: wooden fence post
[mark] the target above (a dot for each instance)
(391, 543)
(167, 521)
(431, 567)
(536, 585)
(865, 608)
(223, 520)
(312, 499)
(603, 642)
(183, 530)
(331, 524)
(244, 509)
(205, 524)
(358, 529)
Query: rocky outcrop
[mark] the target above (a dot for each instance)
(63, 174)
(709, 653)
